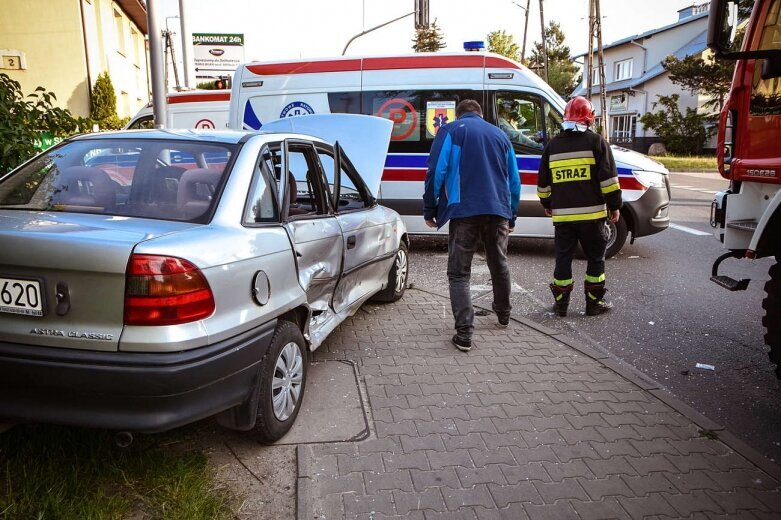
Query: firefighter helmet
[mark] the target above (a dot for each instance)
(579, 110)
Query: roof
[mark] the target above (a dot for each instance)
(695, 46)
(650, 33)
(136, 11)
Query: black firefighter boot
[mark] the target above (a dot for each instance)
(595, 299)
(561, 298)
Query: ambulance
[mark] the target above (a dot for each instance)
(207, 109)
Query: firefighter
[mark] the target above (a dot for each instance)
(578, 186)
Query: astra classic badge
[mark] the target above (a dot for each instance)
(72, 334)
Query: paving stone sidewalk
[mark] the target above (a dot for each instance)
(523, 426)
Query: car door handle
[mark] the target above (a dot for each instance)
(351, 242)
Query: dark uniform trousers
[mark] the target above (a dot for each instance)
(592, 237)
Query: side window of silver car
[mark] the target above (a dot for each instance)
(261, 204)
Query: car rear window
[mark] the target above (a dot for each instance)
(169, 180)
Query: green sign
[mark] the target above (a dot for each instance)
(217, 39)
(45, 140)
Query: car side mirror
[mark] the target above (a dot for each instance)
(771, 68)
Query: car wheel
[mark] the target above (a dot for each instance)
(397, 278)
(616, 236)
(282, 383)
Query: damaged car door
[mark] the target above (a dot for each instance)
(314, 232)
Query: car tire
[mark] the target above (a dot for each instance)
(397, 278)
(772, 318)
(281, 383)
(616, 236)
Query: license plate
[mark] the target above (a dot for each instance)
(21, 297)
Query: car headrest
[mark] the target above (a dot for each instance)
(292, 188)
(85, 186)
(196, 188)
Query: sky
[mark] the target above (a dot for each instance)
(292, 29)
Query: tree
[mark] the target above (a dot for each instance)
(502, 43)
(103, 105)
(428, 38)
(698, 76)
(562, 71)
(681, 133)
(23, 118)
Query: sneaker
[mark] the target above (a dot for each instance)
(464, 345)
(504, 321)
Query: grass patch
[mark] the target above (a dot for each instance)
(72, 473)
(687, 164)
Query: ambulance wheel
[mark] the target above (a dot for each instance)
(616, 236)
(397, 278)
(772, 318)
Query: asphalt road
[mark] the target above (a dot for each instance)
(668, 315)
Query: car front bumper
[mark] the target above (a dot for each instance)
(137, 392)
(650, 212)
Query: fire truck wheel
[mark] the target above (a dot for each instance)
(772, 318)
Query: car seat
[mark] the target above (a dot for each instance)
(195, 192)
(86, 187)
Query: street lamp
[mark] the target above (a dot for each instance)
(525, 27)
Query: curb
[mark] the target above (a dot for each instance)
(652, 387)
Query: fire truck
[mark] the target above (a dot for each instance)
(747, 216)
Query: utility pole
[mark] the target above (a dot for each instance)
(169, 47)
(595, 33)
(525, 28)
(155, 59)
(187, 46)
(544, 44)
(601, 61)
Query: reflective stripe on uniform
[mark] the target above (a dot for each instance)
(595, 279)
(580, 217)
(610, 185)
(543, 193)
(565, 163)
(576, 211)
(562, 283)
(571, 155)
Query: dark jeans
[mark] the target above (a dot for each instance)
(593, 240)
(465, 235)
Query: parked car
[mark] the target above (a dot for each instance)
(193, 280)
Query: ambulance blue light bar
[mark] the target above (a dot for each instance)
(474, 46)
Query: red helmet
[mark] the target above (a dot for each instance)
(579, 110)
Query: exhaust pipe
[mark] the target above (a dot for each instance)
(123, 439)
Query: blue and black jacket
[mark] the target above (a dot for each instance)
(472, 170)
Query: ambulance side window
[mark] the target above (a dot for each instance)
(520, 115)
(553, 121)
(142, 123)
(344, 102)
(417, 115)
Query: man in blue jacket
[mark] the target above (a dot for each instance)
(473, 181)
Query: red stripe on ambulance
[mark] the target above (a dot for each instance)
(196, 98)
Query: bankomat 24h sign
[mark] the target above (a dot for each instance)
(217, 52)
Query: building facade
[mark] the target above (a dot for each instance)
(635, 77)
(63, 45)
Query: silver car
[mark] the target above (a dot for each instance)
(150, 279)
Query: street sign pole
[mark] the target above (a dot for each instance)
(156, 63)
(187, 45)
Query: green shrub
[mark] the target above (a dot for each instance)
(24, 118)
(683, 134)
(103, 104)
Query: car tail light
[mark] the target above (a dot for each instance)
(164, 290)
